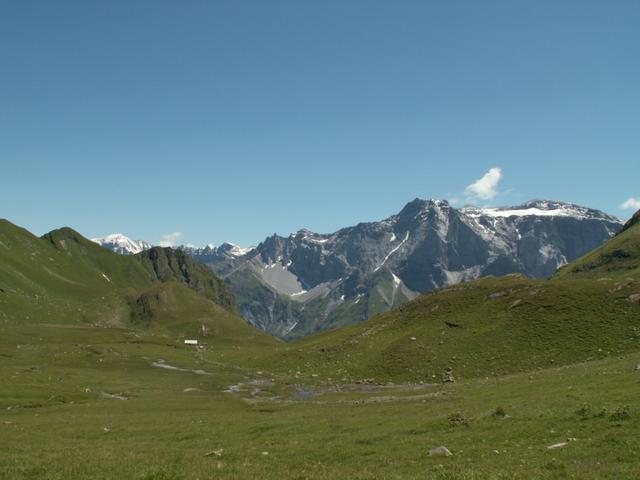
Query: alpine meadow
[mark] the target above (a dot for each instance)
(294, 240)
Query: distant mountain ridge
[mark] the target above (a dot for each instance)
(307, 282)
(226, 251)
(122, 244)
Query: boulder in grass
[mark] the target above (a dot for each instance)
(555, 446)
(440, 451)
(635, 298)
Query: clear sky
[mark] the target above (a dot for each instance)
(234, 119)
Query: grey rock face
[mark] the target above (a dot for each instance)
(307, 282)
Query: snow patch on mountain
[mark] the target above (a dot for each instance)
(278, 276)
(235, 250)
(394, 250)
(541, 208)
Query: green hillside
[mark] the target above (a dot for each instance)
(41, 282)
(488, 327)
(170, 307)
(64, 278)
(619, 257)
(120, 271)
(168, 264)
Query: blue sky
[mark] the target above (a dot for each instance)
(231, 120)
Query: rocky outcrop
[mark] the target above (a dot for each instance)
(168, 264)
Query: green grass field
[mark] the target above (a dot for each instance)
(61, 417)
(96, 382)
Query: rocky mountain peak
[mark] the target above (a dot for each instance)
(419, 205)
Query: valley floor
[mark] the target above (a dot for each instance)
(106, 403)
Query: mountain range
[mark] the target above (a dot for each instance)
(308, 282)
(91, 339)
(588, 310)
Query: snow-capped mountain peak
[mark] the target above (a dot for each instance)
(234, 250)
(122, 244)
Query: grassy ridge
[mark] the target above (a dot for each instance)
(64, 278)
(619, 257)
(169, 264)
(171, 308)
(96, 260)
(488, 327)
(41, 282)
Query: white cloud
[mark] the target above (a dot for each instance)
(170, 239)
(485, 188)
(630, 203)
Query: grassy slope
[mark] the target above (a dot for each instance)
(121, 270)
(492, 326)
(171, 308)
(619, 257)
(169, 264)
(59, 418)
(42, 282)
(63, 278)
